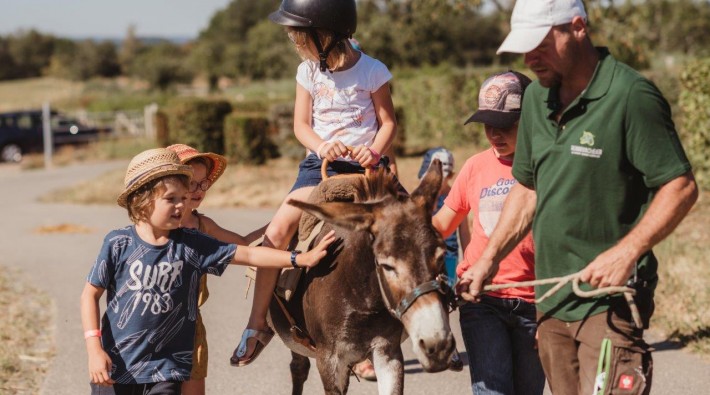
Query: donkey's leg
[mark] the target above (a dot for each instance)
(389, 367)
(300, 366)
(334, 373)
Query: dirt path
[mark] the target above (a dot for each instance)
(59, 263)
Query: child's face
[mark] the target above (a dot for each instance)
(169, 206)
(503, 140)
(198, 183)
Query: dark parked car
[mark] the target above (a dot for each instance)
(21, 132)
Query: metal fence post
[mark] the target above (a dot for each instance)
(47, 133)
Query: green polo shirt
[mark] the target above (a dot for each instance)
(595, 173)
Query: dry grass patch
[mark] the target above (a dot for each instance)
(33, 92)
(63, 228)
(683, 293)
(101, 190)
(106, 148)
(25, 334)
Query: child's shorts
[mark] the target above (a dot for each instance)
(199, 355)
(309, 170)
(162, 388)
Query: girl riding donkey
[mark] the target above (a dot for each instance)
(342, 99)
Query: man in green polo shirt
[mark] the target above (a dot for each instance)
(602, 179)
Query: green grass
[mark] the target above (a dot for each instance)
(25, 334)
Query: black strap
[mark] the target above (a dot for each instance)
(323, 52)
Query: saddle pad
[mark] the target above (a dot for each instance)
(340, 188)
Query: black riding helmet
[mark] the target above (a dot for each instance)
(339, 16)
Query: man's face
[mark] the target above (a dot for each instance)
(552, 60)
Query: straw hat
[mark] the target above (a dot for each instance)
(187, 153)
(147, 166)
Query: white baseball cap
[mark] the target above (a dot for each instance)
(533, 19)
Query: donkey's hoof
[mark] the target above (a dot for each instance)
(455, 363)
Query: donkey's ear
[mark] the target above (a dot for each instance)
(353, 216)
(428, 189)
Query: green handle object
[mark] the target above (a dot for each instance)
(603, 366)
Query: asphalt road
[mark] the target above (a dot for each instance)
(59, 263)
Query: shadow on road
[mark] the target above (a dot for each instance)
(416, 367)
(677, 341)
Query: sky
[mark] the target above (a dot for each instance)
(109, 18)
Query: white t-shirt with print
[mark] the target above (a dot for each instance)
(342, 101)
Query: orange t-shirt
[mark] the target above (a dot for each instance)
(482, 186)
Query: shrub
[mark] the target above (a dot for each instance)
(162, 131)
(436, 102)
(695, 129)
(281, 116)
(199, 123)
(246, 139)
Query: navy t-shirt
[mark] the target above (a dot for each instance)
(148, 329)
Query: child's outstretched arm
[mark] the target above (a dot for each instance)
(446, 221)
(99, 362)
(273, 258)
(384, 110)
(227, 236)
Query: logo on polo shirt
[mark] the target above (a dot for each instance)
(586, 139)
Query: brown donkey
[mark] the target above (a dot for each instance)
(381, 280)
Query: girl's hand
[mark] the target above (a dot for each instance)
(332, 151)
(312, 257)
(365, 156)
(99, 367)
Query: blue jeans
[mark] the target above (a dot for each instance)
(499, 336)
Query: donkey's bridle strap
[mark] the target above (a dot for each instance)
(440, 284)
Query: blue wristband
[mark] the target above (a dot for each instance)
(294, 253)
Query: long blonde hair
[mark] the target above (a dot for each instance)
(306, 48)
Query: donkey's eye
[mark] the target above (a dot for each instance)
(386, 267)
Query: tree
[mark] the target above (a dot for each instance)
(8, 68)
(161, 65)
(83, 60)
(130, 47)
(31, 52)
(268, 53)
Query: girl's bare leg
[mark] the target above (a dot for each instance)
(278, 234)
(193, 387)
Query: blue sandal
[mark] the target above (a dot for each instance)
(262, 339)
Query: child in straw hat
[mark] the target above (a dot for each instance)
(207, 167)
(152, 272)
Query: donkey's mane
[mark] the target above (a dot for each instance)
(349, 188)
(379, 185)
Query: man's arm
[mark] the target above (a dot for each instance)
(669, 206)
(514, 224)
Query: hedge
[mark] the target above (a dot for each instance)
(694, 104)
(435, 103)
(246, 139)
(199, 123)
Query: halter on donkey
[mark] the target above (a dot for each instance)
(382, 279)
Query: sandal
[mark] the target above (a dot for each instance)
(262, 339)
(365, 370)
